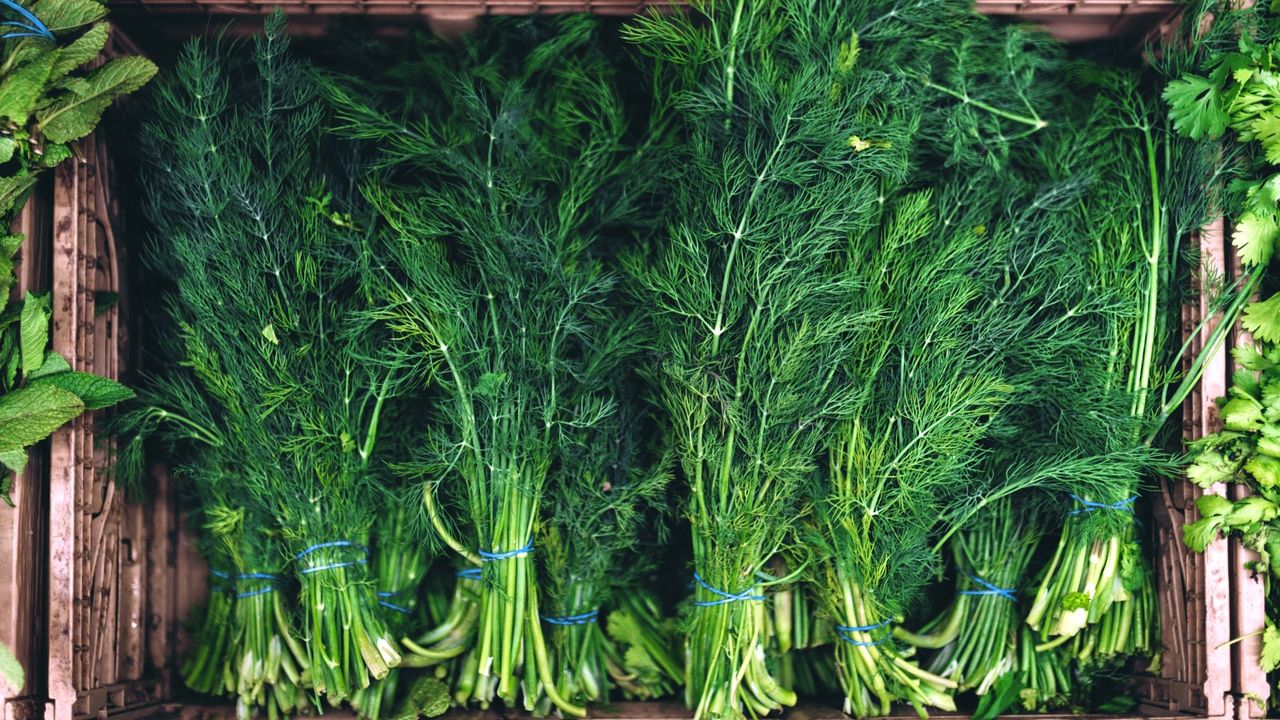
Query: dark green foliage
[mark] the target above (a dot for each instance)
(497, 187)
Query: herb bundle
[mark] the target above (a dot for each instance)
(267, 329)
(750, 319)
(491, 286)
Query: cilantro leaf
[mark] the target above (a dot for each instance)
(1210, 467)
(1196, 106)
(1200, 534)
(1263, 319)
(1242, 414)
(1270, 658)
(1254, 236)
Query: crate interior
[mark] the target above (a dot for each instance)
(120, 598)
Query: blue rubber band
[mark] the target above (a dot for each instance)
(1009, 594)
(1125, 505)
(488, 556)
(470, 573)
(725, 597)
(256, 593)
(257, 576)
(33, 23)
(220, 574)
(844, 633)
(397, 608)
(332, 544)
(581, 619)
(333, 566)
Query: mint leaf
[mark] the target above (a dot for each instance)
(34, 331)
(80, 51)
(74, 115)
(14, 460)
(22, 87)
(13, 189)
(30, 414)
(63, 15)
(94, 391)
(53, 363)
(1196, 107)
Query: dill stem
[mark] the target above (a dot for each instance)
(1034, 122)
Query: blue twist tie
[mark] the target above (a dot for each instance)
(333, 566)
(257, 576)
(582, 619)
(332, 544)
(470, 574)
(1009, 594)
(397, 608)
(1125, 505)
(220, 574)
(30, 27)
(488, 556)
(844, 633)
(256, 593)
(725, 597)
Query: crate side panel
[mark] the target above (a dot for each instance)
(23, 527)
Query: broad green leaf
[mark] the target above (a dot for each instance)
(427, 697)
(54, 154)
(1263, 319)
(13, 188)
(9, 245)
(1251, 510)
(20, 89)
(1201, 533)
(1196, 107)
(1210, 468)
(1250, 358)
(1268, 445)
(63, 15)
(1264, 469)
(30, 414)
(1266, 130)
(53, 363)
(7, 146)
(1212, 505)
(1242, 414)
(94, 391)
(269, 332)
(14, 459)
(12, 677)
(1255, 236)
(76, 114)
(1270, 657)
(1244, 383)
(490, 384)
(34, 330)
(80, 51)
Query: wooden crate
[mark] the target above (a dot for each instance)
(121, 577)
(24, 527)
(1070, 20)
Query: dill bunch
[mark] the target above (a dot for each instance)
(1150, 189)
(750, 318)
(495, 189)
(607, 496)
(268, 275)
